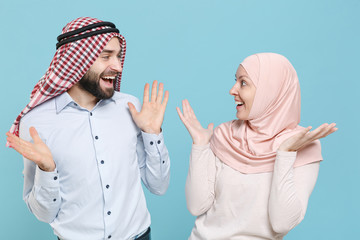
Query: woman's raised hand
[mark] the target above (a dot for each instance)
(199, 135)
(305, 137)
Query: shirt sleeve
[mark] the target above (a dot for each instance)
(154, 162)
(200, 182)
(41, 191)
(290, 191)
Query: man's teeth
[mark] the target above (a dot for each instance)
(239, 103)
(109, 78)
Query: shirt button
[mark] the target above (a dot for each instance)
(151, 143)
(109, 236)
(90, 113)
(163, 161)
(54, 199)
(109, 212)
(55, 178)
(107, 186)
(75, 104)
(102, 161)
(159, 142)
(96, 137)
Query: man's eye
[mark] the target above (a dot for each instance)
(105, 57)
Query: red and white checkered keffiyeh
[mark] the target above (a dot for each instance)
(70, 63)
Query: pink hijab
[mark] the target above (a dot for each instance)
(250, 146)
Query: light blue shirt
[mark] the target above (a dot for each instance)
(95, 191)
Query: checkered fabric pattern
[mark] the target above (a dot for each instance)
(69, 65)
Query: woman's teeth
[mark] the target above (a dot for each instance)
(239, 103)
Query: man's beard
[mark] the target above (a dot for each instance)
(91, 83)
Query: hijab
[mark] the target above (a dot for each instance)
(250, 146)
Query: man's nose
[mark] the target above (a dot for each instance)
(116, 65)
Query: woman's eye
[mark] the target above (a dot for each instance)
(243, 83)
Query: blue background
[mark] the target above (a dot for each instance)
(194, 47)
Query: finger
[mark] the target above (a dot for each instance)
(34, 135)
(211, 127)
(189, 111)
(184, 107)
(146, 93)
(300, 139)
(303, 134)
(192, 114)
(18, 144)
(13, 140)
(166, 98)
(153, 91)
(10, 138)
(160, 93)
(182, 118)
(318, 132)
(23, 147)
(132, 109)
(329, 130)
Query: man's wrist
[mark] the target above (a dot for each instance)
(152, 131)
(47, 168)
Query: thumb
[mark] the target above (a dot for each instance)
(306, 130)
(132, 109)
(34, 135)
(211, 127)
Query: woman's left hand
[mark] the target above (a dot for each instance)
(305, 137)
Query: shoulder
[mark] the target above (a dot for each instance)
(124, 98)
(120, 96)
(37, 117)
(228, 125)
(39, 112)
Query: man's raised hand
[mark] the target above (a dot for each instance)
(37, 152)
(151, 116)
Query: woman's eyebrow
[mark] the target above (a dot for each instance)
(241, 76)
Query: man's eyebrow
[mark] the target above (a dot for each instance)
(109, 51)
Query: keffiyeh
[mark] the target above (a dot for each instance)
(81, 42)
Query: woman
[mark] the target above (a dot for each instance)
(252, 178)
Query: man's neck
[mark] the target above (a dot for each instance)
(82, 97)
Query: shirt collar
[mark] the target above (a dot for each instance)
(65, 99)
(62, 101)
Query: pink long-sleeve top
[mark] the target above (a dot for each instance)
(232, 205)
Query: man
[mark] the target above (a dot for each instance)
(85, 146)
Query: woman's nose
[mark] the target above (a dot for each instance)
(233, 90)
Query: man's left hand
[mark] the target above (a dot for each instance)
(151, 116)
